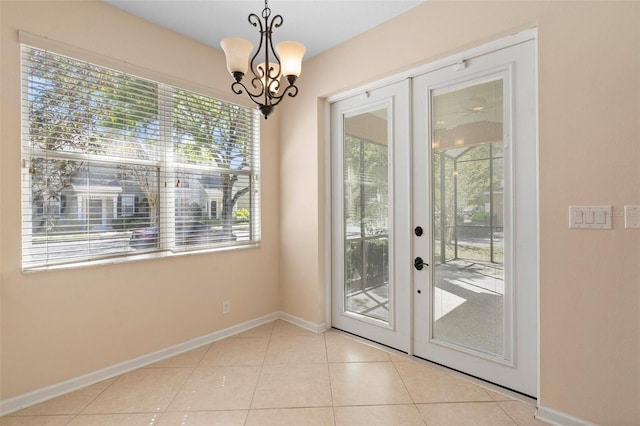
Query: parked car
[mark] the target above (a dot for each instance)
(189, 232)
(144, 238)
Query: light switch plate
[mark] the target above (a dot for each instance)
(632, 216)
(591, 217)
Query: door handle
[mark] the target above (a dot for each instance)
(418, 263)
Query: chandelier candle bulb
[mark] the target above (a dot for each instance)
(291, 53)
(237, 51)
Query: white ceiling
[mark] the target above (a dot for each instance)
(318, 24)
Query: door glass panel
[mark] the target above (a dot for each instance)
(468, 212)
(366, 215)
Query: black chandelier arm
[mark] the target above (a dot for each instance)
(238, 88)
(275, 22)
(291, 91)
(263, 78)
(256, 81)
(294, 89)
(255, 21)
(274, 85)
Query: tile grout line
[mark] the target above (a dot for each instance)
(74, 416)
(505, 411)
(193, 370)
(255, 387)
(326, 352)
(406, 388)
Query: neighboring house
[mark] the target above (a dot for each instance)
(93, 203)
(199, 196)
(212, 188)
(102, 201)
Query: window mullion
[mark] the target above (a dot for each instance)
(167, 172)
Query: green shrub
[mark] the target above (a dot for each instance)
(242, 215)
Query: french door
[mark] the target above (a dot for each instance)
(371, 291)
(475, 194)
(434, 216)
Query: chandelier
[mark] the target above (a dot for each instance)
(266, 86)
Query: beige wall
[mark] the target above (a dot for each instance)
(61, 324)
(589, 146)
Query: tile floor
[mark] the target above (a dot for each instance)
(279, 374)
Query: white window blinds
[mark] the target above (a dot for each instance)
(116, 165)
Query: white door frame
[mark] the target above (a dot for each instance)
(456, 60)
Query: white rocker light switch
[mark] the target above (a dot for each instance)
(592, 217)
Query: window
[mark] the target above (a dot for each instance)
(366, 214)
(116, 165)
(127, 205)
(213, 209)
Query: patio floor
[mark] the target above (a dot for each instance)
(467, 302)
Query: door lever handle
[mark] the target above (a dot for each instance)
(418, 263)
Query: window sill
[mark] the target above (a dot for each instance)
(138, 257)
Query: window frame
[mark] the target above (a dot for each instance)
(166, 166)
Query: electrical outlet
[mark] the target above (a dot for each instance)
(226, 307)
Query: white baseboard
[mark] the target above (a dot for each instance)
(49, 392)
(307, 325)
(558, 418)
